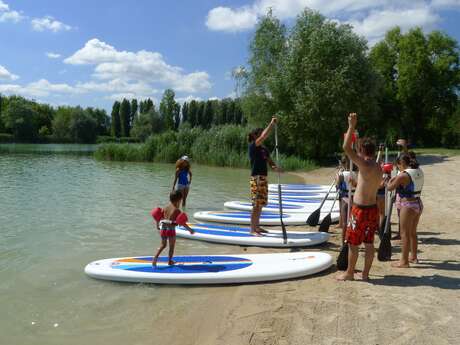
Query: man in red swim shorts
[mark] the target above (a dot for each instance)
(364, 220)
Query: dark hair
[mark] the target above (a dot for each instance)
(408, 159)
(367, 146)
(254, 134)
(175, 196)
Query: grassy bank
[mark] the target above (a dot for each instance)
(218, 146)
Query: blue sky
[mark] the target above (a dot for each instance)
(92, 52)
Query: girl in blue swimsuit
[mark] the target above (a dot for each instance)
(182, 177)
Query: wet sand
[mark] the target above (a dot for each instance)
(418, 305)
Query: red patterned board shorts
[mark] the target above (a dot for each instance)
(363, 224)
(167, 230)
(259, 190)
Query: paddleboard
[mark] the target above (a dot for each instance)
(212, 269)
(239, 235)
(273, 206)
(266, 218)
(290, 195)
(302, 188)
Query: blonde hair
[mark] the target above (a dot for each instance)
(182, 164)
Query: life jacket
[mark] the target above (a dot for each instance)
(344, 184)
(158, 214)
(415, 186)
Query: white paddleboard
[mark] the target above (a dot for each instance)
(273, 206)
(298, 196)
(211, 269)
(300, 188)
(239, 235)
(266, 218)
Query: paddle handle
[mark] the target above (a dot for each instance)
(280, 201)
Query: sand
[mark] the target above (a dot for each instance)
(418, 305)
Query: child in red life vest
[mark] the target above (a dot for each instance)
(166, 220)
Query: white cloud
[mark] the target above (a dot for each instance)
(142, 67)
(227, 19)
(370, 18)
(188, 99)
(40, 88)
(7, 15)
(377, 23)
(49, 23)
(6, 75)
(53, 55)
(129, 96)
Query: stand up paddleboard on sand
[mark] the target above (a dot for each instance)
(299, 188)
(239, 235)
(273, 206)
(301, 195)
(212, 269)
(266, 218)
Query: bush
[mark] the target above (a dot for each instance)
(101, 139)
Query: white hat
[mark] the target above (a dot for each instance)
(185, 158)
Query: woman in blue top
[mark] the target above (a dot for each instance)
(182, 177)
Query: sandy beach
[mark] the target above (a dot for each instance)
(418, 305)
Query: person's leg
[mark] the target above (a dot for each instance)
(406, 223)
(160, 249)
(184, 196)
(340, 225)
(349, 274)
(368, 259)
(381, 206)
(172, 244)
(255, 218)
(343, 214)
(414, 240)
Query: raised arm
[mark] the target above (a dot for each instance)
(347, 148)
(266, 132)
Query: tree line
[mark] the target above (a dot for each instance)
(317, 71)
(29, 121)
(140, 121)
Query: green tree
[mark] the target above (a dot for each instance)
(125, 115)
(185, 112)
(193, 113)
(21, 119)
(200, 114)
(82, 126)
(134, 109)
(208, 114)
(169, 109)
(116, 124)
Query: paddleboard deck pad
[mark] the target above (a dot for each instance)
(300, 187)
(266, 218)
(240, 235)
(212, 269)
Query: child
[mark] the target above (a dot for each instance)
(181, 177)
(166, 220)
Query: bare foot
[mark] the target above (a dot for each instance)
(399, 264)
(255, 233)
(171, 262)
(413, 261)
(261, 230)
(343, 277)
(154, 263)
(360, 276)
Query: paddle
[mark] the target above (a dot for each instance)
(342, 259)
(280, 202)
(313, 218)
(326, 223)
(384, 253)
(387, 168)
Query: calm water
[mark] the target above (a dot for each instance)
(59, 212)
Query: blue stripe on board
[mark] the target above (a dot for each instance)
(248, 215)
(203, 258)
(178, 268)
(223, 227)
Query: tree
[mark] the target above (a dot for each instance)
(83, 127)
(169, 109)
(134, 108)
(193, 113)
(200, 114)
(21, 119)
(116, 125)
(125, 115)
(185, 112)
(208, 114)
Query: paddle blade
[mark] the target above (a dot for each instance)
(325, 224)
(313, 218)
(382, 227)
(342, 259)
(384, 253)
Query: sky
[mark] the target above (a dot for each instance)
(92, 52)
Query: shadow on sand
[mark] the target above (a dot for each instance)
(435, 280)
